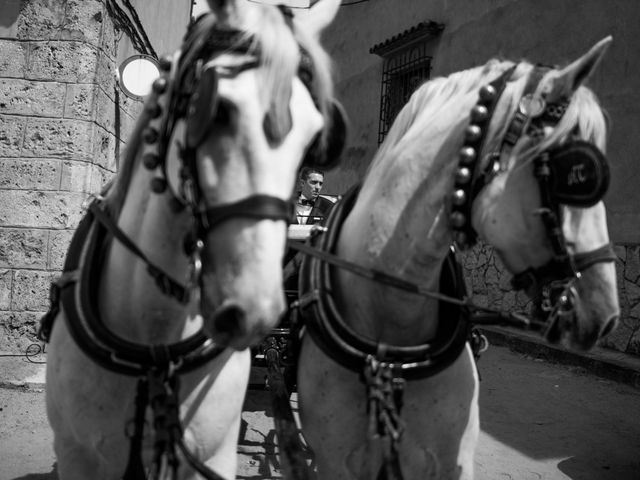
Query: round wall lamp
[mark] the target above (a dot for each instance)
(136, 75)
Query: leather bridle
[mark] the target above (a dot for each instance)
(555, 280)
(184, 91)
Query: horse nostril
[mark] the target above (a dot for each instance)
(609, 326)
(230, 319)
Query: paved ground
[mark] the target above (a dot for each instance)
(539, 420)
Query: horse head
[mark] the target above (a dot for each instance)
(236, 110)
(540, 204)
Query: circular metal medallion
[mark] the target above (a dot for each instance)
(532, 105)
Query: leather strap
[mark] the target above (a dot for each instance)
(261, 207)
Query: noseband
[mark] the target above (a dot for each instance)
(574, 174)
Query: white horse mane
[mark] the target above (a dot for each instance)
(583, 119)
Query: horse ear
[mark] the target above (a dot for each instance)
(319, 16)
(567, 80)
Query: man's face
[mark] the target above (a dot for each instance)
(312, 185)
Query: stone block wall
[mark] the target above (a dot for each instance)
(490, 284)
(58, 139)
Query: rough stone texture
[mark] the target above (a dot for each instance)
(13, 61)
(55, 145)
(58, 244)
(62, 138)
(23, 248)
(489, 281)
(18, 329)
(76, 177)
(62, 61)
(100, 177)
(6, 277)
(27, 174)
(104, 150)
(25, 97)
(79, 101)
(31, 290)
(11, 131)
(34, 209)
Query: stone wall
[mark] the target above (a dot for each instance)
(58, 142)
(490, 284)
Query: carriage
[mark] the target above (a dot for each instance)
(510, 152)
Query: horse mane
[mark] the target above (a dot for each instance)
(584, 118)
(278, 47)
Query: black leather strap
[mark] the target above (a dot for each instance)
(260, 207)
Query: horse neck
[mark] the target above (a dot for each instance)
(130, 301)
(399, 225)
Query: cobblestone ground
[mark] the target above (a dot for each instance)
(539, 422)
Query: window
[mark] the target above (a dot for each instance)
(406, 66)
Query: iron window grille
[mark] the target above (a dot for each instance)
(406, 66)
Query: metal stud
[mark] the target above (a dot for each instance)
(159, 85)
(488, 93)
(153, 109)
(463, 175)
(473, 133)
(458, 220)
(158, 185)
(467, 155)
(165, 63)
(460, 238)
(459, 197)
(151, 160)
(479, 114)
(150, 135)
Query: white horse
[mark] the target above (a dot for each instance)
(177, 270)
(459, 161)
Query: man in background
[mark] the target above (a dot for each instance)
(311, 208)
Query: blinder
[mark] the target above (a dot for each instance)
(579, 174)
(335, 139)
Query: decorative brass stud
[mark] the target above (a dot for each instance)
(460, 238)
(150, 135)
(158, 185)
(488, 93)
(165, 63)
(159, 85)
(153, 109)
(151, 160)
(458, 220)
(459, 197)
(473, 133)
(463, 175)
(479, 114)
(467, 155)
